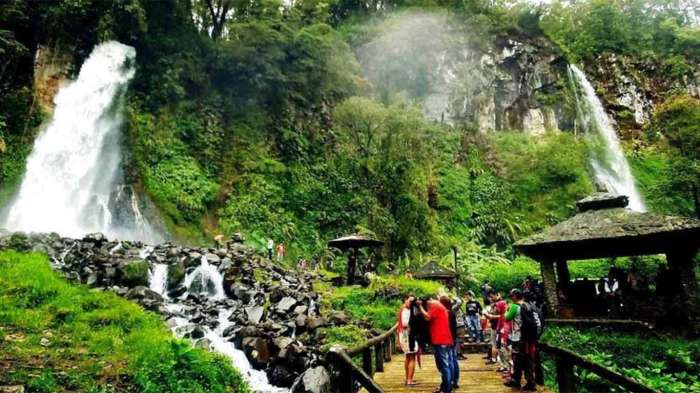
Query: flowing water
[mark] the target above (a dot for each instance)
(74, 183)
(609, 164)
(206, 280)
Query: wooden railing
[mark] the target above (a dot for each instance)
(380, 348)
(565, 361)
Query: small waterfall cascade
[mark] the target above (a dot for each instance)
(74, 182)
(608, 161)
(207, 280)
(158, 280)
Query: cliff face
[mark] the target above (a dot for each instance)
(631, 89)
(51, 71)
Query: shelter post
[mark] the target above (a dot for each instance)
(681, 263)
(563, 276)
(549, 282)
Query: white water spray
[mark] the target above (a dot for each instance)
(609, 164)
(206, 280)
(73, 180)
(159, 279)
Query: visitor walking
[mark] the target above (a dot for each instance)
(280, 252)
(474, 318)
(523, 323)
(441, 339)
(407, 341)
(270, 246)
(502, 329)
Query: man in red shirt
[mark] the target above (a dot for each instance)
(441, 339)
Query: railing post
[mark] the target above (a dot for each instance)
(367, 361)
(379, 357)
(387, 350)
(566, 380)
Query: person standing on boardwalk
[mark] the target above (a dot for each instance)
(280, 252)
(441, 339)
(407, 341)
(270, 246)
(454, 362)
(474, 318)
(523, 331)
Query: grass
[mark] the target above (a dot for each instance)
(668, 364)
(55, 336)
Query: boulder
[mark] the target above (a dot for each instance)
(212, 258)
(285, 304)
(144, 296)
(315, 322)
(134, 273)
(300, 309)
(255, 314)
(257, 350)
(176, 273)
(281, 375)
(12, 389)
(283, 342)
(314, 380)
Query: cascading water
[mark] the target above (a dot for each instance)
(158, 280)
(609, 164)
(207, 280)
(73, 183)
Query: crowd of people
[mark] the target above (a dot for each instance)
(512, 328)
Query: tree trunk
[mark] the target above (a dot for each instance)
(696, 199)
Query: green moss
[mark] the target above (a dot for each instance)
(107, 343)
(135, 273)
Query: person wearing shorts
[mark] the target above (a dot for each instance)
(407, 342)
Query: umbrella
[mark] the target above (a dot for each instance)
(354, 241)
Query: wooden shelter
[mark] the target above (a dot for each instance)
(605, 228)
(432, 271)
(354, 243)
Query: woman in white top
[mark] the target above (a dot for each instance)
(403, 329)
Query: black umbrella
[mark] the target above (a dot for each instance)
(353, 242)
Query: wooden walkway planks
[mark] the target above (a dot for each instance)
(475, 377)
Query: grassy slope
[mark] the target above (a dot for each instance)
(55, 336)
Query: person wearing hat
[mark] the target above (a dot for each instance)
(474, 317)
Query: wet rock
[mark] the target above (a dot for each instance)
(203, 343)
(301, 320)
(315, 322)
(257, 350)
(196, 333)
(281, 375)
(314, 380)
(92, 279)
(212, 258)
(237, 238)
(19, 241)
(176, 273)
(12, 389)
(300, 309)
(283, 342)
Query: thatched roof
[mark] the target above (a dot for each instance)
(605, 232)
(433, 271)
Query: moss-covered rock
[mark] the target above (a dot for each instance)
(176, 273)
(134, 273)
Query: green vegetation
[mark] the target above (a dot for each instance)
(667, 364)
(59, 337)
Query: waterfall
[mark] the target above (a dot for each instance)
(608, 161)
(206, 280)
(158, 281)
(73, 182)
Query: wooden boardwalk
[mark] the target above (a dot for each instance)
(475, 377)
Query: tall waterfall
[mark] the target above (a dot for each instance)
(74, 182)
(609, 164)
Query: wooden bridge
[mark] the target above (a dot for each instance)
(379, 374)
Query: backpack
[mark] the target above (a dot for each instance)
(531, 326)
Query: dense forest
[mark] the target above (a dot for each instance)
(444, 128)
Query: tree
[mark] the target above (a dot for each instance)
(678, 119)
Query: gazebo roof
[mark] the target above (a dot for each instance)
(433, 271)
(605, 228)
(354, 241)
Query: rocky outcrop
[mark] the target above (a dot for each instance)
(51, 70)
